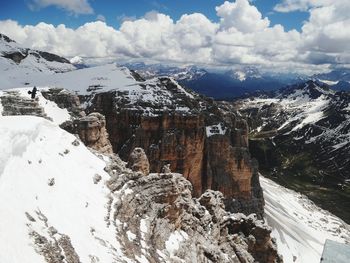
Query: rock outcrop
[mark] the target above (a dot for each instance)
(92, 131)
(65, 100)
(158, 220)
(197, 137)
(138, 161)
(14, 104)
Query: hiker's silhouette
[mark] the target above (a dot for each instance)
(33, 92)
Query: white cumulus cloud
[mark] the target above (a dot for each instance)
(241, 37)
(241, 15)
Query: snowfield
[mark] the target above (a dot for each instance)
(299, 226)
(298, 106)
(51, 109)
(46, 183)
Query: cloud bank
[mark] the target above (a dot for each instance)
(241, 37)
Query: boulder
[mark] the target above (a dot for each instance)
(92, 131)
(138, 161)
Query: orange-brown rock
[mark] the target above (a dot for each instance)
(229, 168)
(217, 159)
(92, 131)
(138, 161)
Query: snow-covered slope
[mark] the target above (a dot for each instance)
(49, 108)
(309, 114)
(155, 92)
(301, 136)
(47, 191)
(339, 79)
(299, 226)
(294, 107)
(21, 66)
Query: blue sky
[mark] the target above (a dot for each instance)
(115, 10)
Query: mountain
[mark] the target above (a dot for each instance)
(300, 136)
(148, 71)
(23, 65)
(338, 79)
(61, 202)
(106, 166)
(125, 213)
(224, 85)
(78, 62)
(299, 226)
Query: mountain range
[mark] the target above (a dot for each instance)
(235, 83)
(300, 136)
(107, 165)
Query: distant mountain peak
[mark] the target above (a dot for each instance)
(248, 72)
(313, 88)
(6, 38)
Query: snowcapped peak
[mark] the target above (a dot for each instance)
(6, 38)
(240, 75)
(76, 60)
(244, 73)
(312, 89)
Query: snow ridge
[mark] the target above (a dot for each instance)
(300, 226)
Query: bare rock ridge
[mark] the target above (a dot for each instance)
(14, 104)
(158, 219)
(207, 142)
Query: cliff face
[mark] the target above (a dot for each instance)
(206, 143)
(189, 134)
(157, 213)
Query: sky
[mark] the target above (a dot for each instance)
(114, 12)
(275, 35)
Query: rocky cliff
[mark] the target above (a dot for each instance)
(158, 219)
(190, 134)
(193, 135)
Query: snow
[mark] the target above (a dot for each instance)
(32, 152)
(299, 226)
(143, 226)
(173, 243)
(131, 235)
(307, 110)
(76, 60)
(329, 82)
(240, 75)
(57, 114)
(215, 129)
(141, 259)
(299, 107)
(92, 80)
(347, 108)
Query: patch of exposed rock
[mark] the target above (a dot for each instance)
(55, 247)
(14, 104)
(65, 100)
(92, 131)
(158, 220)
(138, 161)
